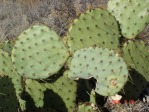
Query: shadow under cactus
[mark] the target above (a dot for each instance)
(82, 91)
(54, 101)
(8, 99)
(134, 86)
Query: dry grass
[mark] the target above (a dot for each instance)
(17, 15)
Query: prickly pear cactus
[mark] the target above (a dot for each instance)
(39, 53)
(133, 15)
(88, 107)
(8, 99)
(62, 88)
(36, 91)
(2, 62)
(7, 45)
(134, 86)
(136, 54)
(95, 27)
(7, 69)
(67, 90)
(104, 65)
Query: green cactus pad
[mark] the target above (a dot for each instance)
(8, 99)
(104, 65)
(136, 54)
(86, 107)
(3, 67)
(39, 53)
(93, 28)
(7, 45)
(7, 69)
(63, 87)
(133, 15)
(67, 90)
(36, 91)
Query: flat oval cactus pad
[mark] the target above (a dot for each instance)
(39, 53)
(104, 65)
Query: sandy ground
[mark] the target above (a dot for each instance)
(18, 15)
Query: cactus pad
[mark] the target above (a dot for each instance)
(67, 90)
(104, 65)
(36, 91)
(86, 108)
(7, 69)
(3, 60)
(8, 99)
(136, 54)
(93, 28)
(39, 53)
(62, 88)
(133, 15)
(7, 45)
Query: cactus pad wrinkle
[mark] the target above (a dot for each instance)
(104, 65)
(133, 15)
(136, 54)
(7, 69)
(39, 53)
(93, 28)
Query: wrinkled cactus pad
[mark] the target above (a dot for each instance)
(104, 65)
(39, 53)
(133, 15)
(136, 54)
(95, 27)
